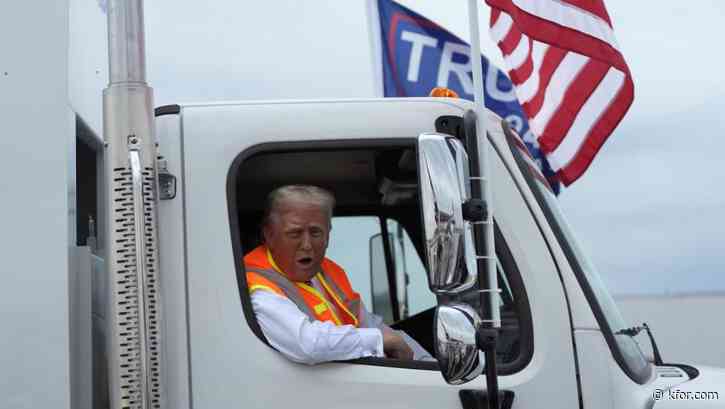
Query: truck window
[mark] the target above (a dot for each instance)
(357, 243)
(368, 269)
(624, 348)
(376, 238)
(413, 282)
(349, 248)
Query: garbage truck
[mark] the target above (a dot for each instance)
(125, 282)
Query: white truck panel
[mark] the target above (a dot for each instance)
(704, 392)
(223, 343)
(172, 265)
(88, 61)
(582, 315)
(597, 389)
(80, 289)
(605, 385)
(36, 130)
(551, 371)
(229, 365)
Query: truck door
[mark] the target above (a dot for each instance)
(226, 177)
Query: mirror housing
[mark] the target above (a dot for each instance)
(454, 332)
(443, 178)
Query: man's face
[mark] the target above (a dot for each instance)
(297, 237)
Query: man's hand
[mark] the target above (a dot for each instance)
(395, 347)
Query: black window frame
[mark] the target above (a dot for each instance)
(232, 189)
(88, 184)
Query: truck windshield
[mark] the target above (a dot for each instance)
(624, 348)
(604, 298)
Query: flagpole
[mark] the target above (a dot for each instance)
(491, 319)
(481, 126)
(373, 16)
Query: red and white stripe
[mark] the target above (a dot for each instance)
(570, 76)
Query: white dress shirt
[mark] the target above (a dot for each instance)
(291, 332)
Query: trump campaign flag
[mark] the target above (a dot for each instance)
(419, 55)
(569, 74)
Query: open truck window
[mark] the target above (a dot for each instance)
(376, 237)
(359, 243)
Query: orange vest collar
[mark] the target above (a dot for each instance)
(262, 257)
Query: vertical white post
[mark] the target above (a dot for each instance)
(478, 95)
(488, 332)
(373, 16)
(481, 127)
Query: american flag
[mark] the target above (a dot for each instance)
(570, 76)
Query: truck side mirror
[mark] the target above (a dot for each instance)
(443, 181)
(448, 238)
(459, 357)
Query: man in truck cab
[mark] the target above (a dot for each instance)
(303, 301)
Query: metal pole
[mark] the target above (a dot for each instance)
(373, 19)
(126, 42)
(133, 336)
(481, 126)
(491, 316)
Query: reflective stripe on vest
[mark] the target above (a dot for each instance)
(341, 301)
(287, 287)
(352, 306)
(290, 289)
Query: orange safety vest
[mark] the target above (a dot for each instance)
(264, 274)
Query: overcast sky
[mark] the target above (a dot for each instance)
(649, 208)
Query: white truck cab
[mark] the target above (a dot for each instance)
(140, 298)
(559, 343)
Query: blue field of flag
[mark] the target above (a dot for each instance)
(419, 55)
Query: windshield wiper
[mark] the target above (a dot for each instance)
(634, 331)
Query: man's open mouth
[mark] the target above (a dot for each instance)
(305, 261)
